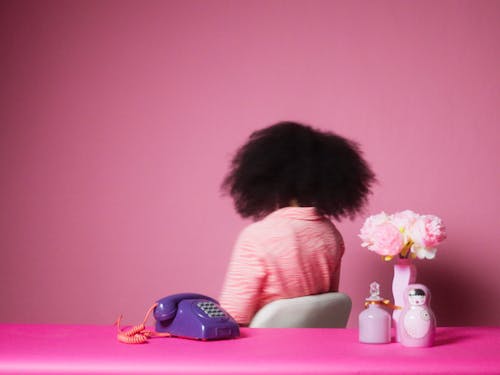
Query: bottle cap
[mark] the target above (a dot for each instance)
(374, 293)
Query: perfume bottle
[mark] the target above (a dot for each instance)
(374, 321)
(417, 324)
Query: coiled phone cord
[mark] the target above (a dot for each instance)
(138, 334)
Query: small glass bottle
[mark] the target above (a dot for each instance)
(374, 321)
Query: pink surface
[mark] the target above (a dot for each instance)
(46, 349)
(118, 120)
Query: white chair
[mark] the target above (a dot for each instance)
(328, 310)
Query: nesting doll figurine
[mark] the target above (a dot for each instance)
(417, 324)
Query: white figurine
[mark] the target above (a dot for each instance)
(417, 324)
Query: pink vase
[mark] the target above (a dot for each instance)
(405, 273)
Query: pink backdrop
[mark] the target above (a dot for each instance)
(118, 120)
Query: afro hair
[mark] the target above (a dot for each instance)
(291, 162)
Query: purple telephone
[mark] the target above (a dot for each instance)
(194, 316)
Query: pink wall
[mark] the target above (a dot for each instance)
(118, 119)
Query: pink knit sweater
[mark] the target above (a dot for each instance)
(292, 252)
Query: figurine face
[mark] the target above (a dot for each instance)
(417, 297)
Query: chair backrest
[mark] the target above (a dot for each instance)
(328, 310)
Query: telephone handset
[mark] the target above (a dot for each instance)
(194, 316)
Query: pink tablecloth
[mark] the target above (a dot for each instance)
(49, 349)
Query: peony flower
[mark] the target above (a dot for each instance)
(381, 236)
(423, 252)
(370, 227)
(404, 220)
(428, 232)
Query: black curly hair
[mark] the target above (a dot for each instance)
(288, 162)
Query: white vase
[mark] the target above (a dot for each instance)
(405, 273)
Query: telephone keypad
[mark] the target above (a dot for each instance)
(211, 309)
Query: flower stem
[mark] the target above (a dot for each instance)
(406, 250)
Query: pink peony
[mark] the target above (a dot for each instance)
(382, 237)
(428, 232)
(370, 227)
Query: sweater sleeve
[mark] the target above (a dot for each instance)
(242, 287)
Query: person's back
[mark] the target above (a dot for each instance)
(292, 252)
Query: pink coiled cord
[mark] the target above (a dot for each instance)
(137, 334)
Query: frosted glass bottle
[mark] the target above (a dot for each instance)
(374, 321)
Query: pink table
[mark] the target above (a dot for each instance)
(51, 349)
